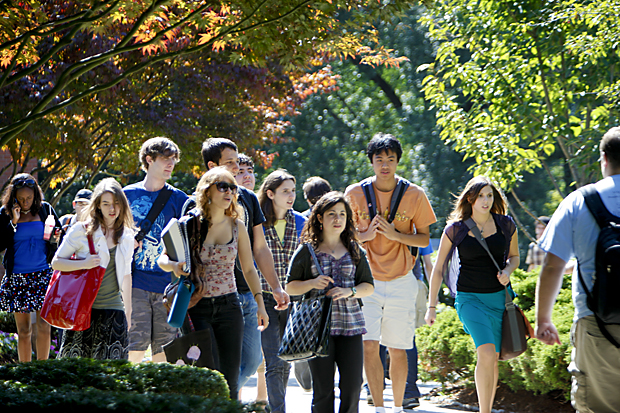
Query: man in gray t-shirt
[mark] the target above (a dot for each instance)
(573, 232)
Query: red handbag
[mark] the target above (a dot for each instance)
(70, 296)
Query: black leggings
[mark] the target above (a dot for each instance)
(224, 315)
(347, 352)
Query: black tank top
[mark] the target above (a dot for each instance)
(477, 272)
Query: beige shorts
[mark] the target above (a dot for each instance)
(390, 312)
(595, 368)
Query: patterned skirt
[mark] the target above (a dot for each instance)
(24, 293)
(105, 339)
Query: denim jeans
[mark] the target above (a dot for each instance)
(276, 369)
(224, 315)
(251, 354)
(411, 389)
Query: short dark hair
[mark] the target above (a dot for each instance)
(245, 160)
(610, 146)
(212, 149)
(314, 188)
(383, 142)
(159, 146)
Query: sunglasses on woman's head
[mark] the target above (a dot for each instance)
(29, 182)
(225, 186)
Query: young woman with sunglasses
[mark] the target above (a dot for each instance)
(110, 224)
(331, 234)
(213, 270)
(27, 261)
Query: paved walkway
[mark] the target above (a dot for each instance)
(299, 401)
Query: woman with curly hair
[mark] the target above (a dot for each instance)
(477, 285)
(330, 232)
(27, 261)
(226, 237)
(110, 225)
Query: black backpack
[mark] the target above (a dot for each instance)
(603, 299)
(397, 195)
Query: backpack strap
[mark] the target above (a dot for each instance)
(397, 196)
(594, 202)
(369, 194)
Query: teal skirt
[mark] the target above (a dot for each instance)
(481, 315)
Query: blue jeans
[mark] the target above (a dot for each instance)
(276, 369)
(411, 389)
(251, 354)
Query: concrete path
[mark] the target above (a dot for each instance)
(299, 401)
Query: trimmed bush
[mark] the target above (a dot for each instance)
(79, 384)
(447, 353)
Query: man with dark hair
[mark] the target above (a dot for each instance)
(146, 313)
(223, 152)
(535, 255)
(314, 188)
(573, 231)
(390, 311)
(246, 177)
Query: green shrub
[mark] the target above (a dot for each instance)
(447, 353)
(78, 384)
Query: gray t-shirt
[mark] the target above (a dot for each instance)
(109, 295)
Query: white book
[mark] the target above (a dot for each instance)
(176, 241)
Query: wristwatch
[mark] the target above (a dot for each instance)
(353, 291)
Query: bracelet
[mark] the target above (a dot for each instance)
(431, 306)
(260, 292)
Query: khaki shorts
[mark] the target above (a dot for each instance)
(390, 312)
(595, 368)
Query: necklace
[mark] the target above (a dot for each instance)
(23, 211)
(483, 225)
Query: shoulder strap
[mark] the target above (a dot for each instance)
(397, 195)
(314, 258)
(156, 208)
(595, 204)
(369, 194)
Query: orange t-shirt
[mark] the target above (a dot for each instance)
(391, 259)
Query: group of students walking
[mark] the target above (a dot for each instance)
(250, 253)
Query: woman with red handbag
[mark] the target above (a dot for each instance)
(110, 224)
(29, 249)
(478, 286)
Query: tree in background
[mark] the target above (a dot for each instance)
(330, 135)
(526, 87)
(86, 80)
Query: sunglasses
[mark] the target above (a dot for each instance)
(225, 186)
(29, 182)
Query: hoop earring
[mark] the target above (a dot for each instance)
(209, 201)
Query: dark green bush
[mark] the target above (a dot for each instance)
(447, 353)
(79, 384)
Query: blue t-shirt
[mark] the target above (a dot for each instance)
(30, 248)
(147, 275)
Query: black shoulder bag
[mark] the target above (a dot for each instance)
(516, 328)
(308, 325)
(156, 208)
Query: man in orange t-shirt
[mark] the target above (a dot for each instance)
(390, 311)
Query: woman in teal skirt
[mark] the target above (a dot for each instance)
(473, 278)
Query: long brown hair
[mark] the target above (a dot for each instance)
(271, 183)
(463, 205)
(95, 218)
(313, 230)
(202, 198)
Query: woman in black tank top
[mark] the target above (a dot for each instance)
(479, 287)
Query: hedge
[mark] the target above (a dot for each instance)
(77, 385)
(447, 353)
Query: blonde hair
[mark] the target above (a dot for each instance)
(95, 218)
(214, 175)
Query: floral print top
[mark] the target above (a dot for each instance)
(219, 262)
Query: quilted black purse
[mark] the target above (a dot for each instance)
(308, 325)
